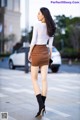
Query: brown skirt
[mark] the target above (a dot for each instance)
(40, 55)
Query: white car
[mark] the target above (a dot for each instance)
(56, 57)
(18, 58)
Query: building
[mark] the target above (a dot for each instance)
(27, 14)
(10, 32)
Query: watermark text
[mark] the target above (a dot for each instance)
(64, 2)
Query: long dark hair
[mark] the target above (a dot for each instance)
(49, 21)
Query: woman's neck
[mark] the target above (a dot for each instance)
(43, 21)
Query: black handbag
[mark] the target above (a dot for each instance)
(50, 61)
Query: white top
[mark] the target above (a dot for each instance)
(40, 36)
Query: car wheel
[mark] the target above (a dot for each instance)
(54, 69)
(11, 66)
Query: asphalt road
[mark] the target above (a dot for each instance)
(18, 100)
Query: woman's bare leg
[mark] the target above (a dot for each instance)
(34, 76)
(44, 71)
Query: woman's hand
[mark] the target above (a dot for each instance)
(29, 53)
(29, 56)
(50, 52)
(50, 55)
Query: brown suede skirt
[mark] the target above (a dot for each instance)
(40, 55)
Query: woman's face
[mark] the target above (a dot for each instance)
(40, 16)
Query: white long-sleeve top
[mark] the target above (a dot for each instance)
(40, 36)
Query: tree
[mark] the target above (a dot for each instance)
(68, 30)
(74, 36)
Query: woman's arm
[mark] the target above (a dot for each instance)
(29, 53)
(50, 45)
(33, 42)
(50, 49)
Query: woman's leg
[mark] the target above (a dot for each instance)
(34, 76)
(44, 71)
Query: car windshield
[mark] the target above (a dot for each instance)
(54, 49)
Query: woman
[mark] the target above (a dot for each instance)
(39, 54)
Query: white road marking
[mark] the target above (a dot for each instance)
(2, 95)
(57, 89)
(5, 77)
(18, 90)
(58, 112)
(69, 87)
(78, 102)
(16, 85)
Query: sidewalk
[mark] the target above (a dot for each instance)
(18, 99)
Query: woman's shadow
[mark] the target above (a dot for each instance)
(38, 118)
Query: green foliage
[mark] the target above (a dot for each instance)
(67, 36)
(62, 21)
(70, 53)
(4, 55)
(75, 20)
(24, 37)
(17, 46)
(67, 33)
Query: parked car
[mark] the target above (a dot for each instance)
(17, 59)
(56, 58)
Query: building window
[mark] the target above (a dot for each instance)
(3, 3)
(10, 4)
(17, 5)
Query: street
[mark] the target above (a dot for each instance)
(37, 36)
(64, 68)
(18, 99)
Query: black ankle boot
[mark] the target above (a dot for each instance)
(43, 99)
(41, 106)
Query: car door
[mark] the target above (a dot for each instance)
(20, 57)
